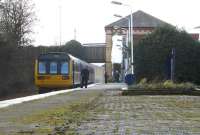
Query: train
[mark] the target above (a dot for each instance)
(58, 70)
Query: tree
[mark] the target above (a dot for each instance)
(75, 48)
(151, 54)
(17, 19)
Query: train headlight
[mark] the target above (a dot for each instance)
(41, 77)
(65, 77)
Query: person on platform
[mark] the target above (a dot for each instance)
(106, 77)
(116, 76)
(84, 77)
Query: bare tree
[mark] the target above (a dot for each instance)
(18, 17)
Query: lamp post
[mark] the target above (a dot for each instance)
(197, 27)
(60, 22)
(129, 27)
(131, 31)
(125, 65)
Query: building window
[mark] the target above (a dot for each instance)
(64, 68)
(42, 68)
(53, 68)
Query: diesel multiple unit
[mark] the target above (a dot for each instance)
(61, 70)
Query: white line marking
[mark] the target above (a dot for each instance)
(10, 102)
(124, 88)
(197, 88)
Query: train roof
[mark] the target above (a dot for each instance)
(61, 56)
(54, 55)
(80, 61)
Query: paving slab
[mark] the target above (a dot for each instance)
(135, 115)
(38, 103)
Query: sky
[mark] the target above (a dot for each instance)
(88, 17)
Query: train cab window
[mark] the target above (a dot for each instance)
(42, 68)
(53, 68)
(64, 68)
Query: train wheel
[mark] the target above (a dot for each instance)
(42, 90)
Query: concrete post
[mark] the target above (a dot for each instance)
(109, 42)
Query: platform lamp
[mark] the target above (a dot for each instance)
(131, 31)
(125, 65)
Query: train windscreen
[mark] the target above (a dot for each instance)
(53, 68)
(64, 68)
(53, 64)
(42, 68)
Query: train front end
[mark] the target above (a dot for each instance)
(53, 71)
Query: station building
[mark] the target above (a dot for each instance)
(143, 24)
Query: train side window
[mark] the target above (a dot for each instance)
(64, 68)
(53, 68)
(42, 68)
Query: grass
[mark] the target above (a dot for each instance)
(143, 84)
(117, 118)
(161, 88)
(67, 116)
(128, 131)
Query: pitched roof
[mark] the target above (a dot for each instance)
(94, 45)
(140, 19)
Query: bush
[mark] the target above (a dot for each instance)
(152, 52)
(168, 84)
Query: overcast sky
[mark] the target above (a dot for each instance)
(89, 17)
